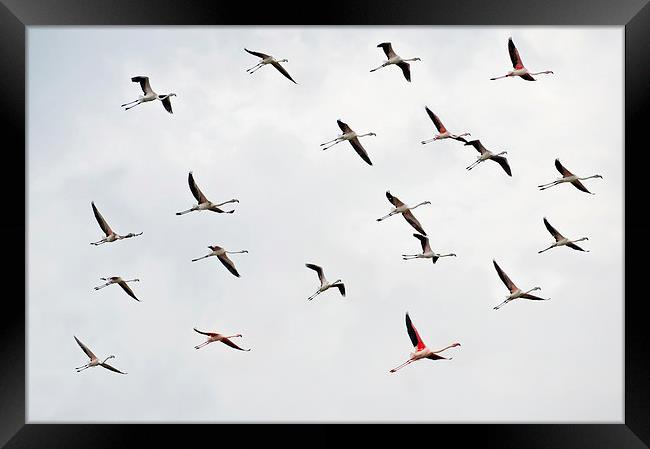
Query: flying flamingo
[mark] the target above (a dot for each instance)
(111, 236)
(515, 292)
(267, 59)
(560, 240)
(519, 69)
(324, 285)
(222, 255)
(427, 252)
(203, 202)
(351, 137)
(401, 208)
(149, 95)
(567, 176)
(393, 58)
(420, 350)
(121, 282)
(94, 361)
(486, 154)
(444, 134)
(213, 336)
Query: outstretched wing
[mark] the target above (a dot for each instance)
(424, 241)
(478, 145)
(318, 270)
(408, 216)
(533, 297)
(460, 139)
(256, 53)
(503, 162)
(514, 55)
(413, 334)
(282, 70)
(436, 357)
(341, 288)
(200, 197)
(85, 349)
(504, 277)
(360, 150)
(225, 260)
(211, 334)
(406, 70)
(574, 246)
(167, 103)
(388, 49)
(554, 232)
(566, 173)
(394, 200)
(144, 83)
(436, 121)
(344, 126)
(109, 367)
(580, 186)
(102, 223)
(127, 289)
(232, 345)
(527, 77)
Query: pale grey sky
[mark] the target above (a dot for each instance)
(256, 138)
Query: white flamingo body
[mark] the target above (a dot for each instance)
(149, 95)
(268, 59)
(214, 337)
(518, 66)
(404, 209)
(348, 135)
(515, 292)
(486, 154)
(420, 349)
(202, 202)
(443, 133)
(560, 240)
(111, 236)
(569, 177)
(395, 59)
(427, 252)
(324, 284)
(94, 361)
(222, 255)
(110, 280)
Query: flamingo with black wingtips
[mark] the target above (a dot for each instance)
(519, 69)
(567, 176)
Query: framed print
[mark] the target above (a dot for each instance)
(212, 234)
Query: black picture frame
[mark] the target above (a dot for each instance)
(16, 15)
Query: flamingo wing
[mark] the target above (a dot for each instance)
(533, 297)
(167, 104)
(344, 126)
(341, 288)
(478, 145)
(554, 232)
(200, 197)
(232, 345)
(258, 54)
(282, 70)
(393, 199)
(144, 83)
(566, 173)
(85, 349)
(102, 223)
(127, 289)
(504, 277)
(514, 55)
(436, 357)
(424, 241)
(360, 150)
(410, 218)
(406, 70)
(460, 139)
(436, 121)
(318, 270)
(109, 367)
(574, 246)
(527, 77)
(580, 186)
(225, 260)
(503, 162)
(211, 334)
(413, 334)
(388, 49)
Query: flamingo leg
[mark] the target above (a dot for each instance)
(131, 107)
(548, 186)
(503, 303)
(473, 165)
(201, 345)
(102, 286)
(540, 252)
(186, 211)
(318, 292)
(99, 242)
(130, 102)
(330, 141)
(194, 260)
(402, 365)
(380, 67)
(499, 77)
(386, 216)
(409, 256)
(330, 146)
(430, 140)
(255, 66)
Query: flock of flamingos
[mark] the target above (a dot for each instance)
(420, 350)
